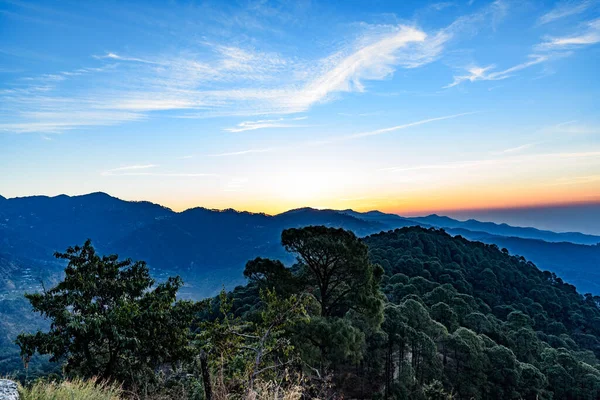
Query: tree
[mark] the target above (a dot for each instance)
(336, 263)
(503, 372)
(110, 320)
(271, 274)
(244, 351)
(442, 313)
(532, 382)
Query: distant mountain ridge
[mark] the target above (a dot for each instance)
(508, 230)
(210, 247)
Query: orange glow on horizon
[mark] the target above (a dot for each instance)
(413, 204)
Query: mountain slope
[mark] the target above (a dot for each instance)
(506, 320)
(507, 230)
(64, 220)
(575, 263)
(210, 247)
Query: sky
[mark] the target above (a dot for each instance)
(406, 107)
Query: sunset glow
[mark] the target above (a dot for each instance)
(407, 109)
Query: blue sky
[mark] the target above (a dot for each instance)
(409, 107)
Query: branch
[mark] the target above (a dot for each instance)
(277, 365)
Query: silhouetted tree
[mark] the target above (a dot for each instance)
(109, 319)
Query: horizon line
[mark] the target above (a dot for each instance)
(421, 213)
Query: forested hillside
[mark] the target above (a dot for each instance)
(464, 318)
(412, 313)
(508, 330)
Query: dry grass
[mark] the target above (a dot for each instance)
(272, 391)
(70, 390)
(93, 389)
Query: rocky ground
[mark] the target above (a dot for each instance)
(8, 390)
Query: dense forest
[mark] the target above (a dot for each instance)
(412, 313)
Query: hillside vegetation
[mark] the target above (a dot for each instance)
(508, 330)
(407, 314)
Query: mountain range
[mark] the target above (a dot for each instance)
(209, 248)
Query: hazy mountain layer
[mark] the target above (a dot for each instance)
(210, 247)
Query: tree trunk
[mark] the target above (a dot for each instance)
(205, 375)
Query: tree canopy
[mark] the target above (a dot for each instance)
(109, 319)
(407, 314)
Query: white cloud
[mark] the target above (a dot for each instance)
(218, 80)
(114, 56)
(517, 149)
(57, 120)
(549, 49)
(265, 123)
(573, 127)
(240, 153)
(564, 9)
(387, 130)
(588, 34)
(374, 61)
(486, 73)
(214, 79)
(335, 139)
(409, 125)
(170, 174)
(449, 165)
(140, 170)
(121, 170)
(494, 161)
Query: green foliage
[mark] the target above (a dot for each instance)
(335, 264)
(109, 319)
(446, 319)
(511, 330)
(244, 351)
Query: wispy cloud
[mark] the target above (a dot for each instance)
(587, 34)
(443, 166)
(493, 161)
(365, 114)
(486, 74)
(218, 80)
(240, 153)
(549, 49)
(373, 61)
(516, 149)
(565, 9)
(141, 170)
(128, 168)
(214, 79)
(265, 123)
(409, 125)
(171, 174)
(113, 56)
(58, 121)
(390, 129)
(336, 139)
(573, 127)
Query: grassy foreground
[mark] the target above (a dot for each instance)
(72, 389)
(93, 389)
